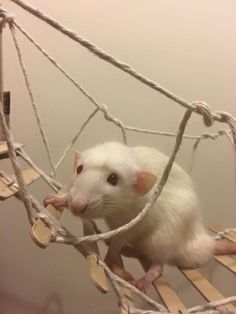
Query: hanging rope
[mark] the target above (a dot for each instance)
(61, 235)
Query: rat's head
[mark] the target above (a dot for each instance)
(107, 179)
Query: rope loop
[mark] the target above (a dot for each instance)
(203, 108)
(230, 120)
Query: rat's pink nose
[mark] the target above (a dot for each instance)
(78, 208)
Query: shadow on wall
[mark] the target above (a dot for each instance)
(16, 305)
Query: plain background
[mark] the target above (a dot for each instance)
(187, 46)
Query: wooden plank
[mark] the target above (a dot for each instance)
(168, 296)
(4, 149)
(41, 233)
(118, 269)
(96, 272)
(227, 261)
(8, 189)
(206, 289)
(231, 236)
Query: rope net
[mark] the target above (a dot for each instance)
(35, 210)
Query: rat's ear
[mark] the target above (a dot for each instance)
(144, 181)
(77, 158)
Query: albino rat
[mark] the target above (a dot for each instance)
(114, 182)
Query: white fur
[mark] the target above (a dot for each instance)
(171, 232)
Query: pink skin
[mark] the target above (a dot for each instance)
(153, 273)
(117, 245)
(56, 200)
(61, 200)
(143, 184)
(77, 209)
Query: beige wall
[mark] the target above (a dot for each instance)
(186, 46)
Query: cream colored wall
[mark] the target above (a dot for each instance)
(186, 46)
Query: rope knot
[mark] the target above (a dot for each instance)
(6, 18)
(203, 108)
(105, 112)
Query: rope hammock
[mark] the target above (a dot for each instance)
(46, 226)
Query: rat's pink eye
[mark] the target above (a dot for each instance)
(79, 169)
(113, 179)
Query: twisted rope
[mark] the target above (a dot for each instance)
(74, 139)
(61, 235)
(55, 185)
(196, 107)
(32, 99)
(103, 108)
(157, 191)
(16, 166)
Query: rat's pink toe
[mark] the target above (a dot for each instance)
(142, 285)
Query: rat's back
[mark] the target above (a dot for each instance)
(176, 233)
(172, 230)
(152, 160)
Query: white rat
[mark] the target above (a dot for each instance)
(114, 182)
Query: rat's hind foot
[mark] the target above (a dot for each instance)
(154, 272)
(116, 265)
(56, 200)
(141, 284)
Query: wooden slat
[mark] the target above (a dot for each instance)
(168, 296)
(29, 175)
(206, 289)
(231, 236)
(4, 149)
(118, 269)
(41, 234)
(227, 261)
(96, 272)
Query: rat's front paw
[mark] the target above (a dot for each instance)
(55, 200)
(142, 285)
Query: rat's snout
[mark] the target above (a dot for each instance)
(78, 207)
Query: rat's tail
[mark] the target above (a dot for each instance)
(223, 248)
